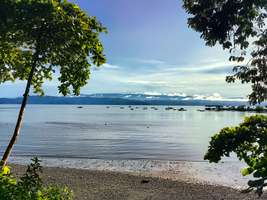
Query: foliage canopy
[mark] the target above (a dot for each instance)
(49, 34)
(249, 142)
(240, 27)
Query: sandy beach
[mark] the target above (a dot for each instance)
(101, 185)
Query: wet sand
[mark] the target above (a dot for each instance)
(225, 173)
(105, 185)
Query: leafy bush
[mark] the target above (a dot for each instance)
(249, 142)
(30, 186)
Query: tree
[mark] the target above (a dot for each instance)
(249, 142)
(39, 36)
(238, 26)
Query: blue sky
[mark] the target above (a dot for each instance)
(150, 48)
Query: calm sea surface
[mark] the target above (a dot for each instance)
(98, 132)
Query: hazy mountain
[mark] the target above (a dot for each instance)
(129, 99)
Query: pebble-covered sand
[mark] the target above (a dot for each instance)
(103, 185)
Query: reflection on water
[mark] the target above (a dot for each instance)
(95, 132)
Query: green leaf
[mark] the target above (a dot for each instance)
(246, 171)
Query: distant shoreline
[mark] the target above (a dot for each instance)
(126, 99)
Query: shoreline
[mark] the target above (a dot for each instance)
(101, 185)
(226, 173)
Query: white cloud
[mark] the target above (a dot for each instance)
(202, 66)
(153, 93)
(178, 81)
(144, 82)
(105, 66)
(110, 66)
(150, 61)
(189, 81)
(177, 94)
(215, 97)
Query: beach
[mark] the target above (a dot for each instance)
(101, 185)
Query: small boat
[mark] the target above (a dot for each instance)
(154, 108)
(170, 108)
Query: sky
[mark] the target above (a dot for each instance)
(150, 49)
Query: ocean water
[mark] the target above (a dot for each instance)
(116, 138)
(98, 132)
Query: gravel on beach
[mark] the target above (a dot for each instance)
(104, 185)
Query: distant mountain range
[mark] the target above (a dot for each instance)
(128, 99)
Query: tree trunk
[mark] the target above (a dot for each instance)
(21, 113)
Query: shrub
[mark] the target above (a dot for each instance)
(249, 142)
(30, 186)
